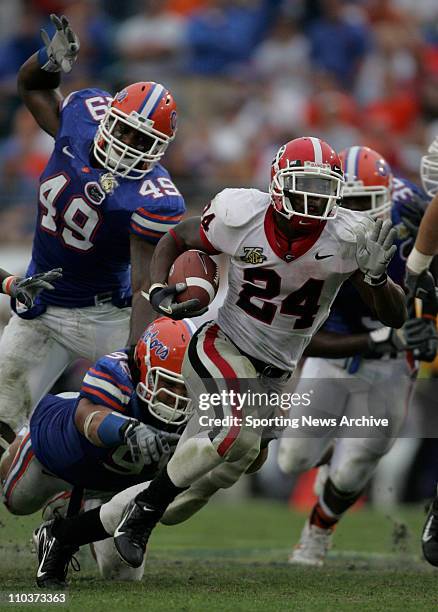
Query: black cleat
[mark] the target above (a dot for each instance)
(132, 533)
(53, 558)
(429, 537)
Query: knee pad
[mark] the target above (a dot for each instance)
(292, 457)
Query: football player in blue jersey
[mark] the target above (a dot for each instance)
(360, 364)
(117, 432)
(104, 201)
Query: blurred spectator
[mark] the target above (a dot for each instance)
(284, 54)
(225, 33)
(339, 41)
(150, 43)
(23, 40)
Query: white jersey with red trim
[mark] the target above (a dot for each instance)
(277, 301)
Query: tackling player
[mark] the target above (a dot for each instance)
(426, 246)
(289, 251)
(359, 364)
(117, 433)
(104, 201)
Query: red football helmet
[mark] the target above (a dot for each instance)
(136, 130)
(368, 181)
(306, 179)
(159, 355)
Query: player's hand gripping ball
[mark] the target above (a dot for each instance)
(199, 273)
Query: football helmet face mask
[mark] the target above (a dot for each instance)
(159, 355)
(136, 130)
(306, 180)
(368, 182)
(429, 169)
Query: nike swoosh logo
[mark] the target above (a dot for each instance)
(66, 151)
(318, 256)
(47, 549)
(426, 537)
(118, 531)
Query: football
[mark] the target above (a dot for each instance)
(199, 272)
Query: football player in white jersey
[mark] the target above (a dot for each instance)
(289, 252)
(357, 365)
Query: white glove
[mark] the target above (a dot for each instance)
(63, 49)
(374, 251)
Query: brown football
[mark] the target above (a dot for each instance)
(199, 272)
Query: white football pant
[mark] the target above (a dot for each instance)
(35, 353)
(354, 459)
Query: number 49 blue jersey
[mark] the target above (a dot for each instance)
(86, 214)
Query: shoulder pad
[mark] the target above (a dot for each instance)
(236, 207)
(349, 223)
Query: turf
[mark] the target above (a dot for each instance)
(233, 557)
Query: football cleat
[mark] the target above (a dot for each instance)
(312, 547)
(132, 533)
(429, 537)
(53, 558)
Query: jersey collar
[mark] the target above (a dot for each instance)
(285, 248)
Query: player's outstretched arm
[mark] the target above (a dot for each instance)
(39, 77)
(106, 428)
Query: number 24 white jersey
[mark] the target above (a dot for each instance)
(273, 306)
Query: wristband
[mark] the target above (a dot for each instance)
(109, 430)
(418, 262)
(156, 286)
(43, 57)
(6, 284)
(376, 282)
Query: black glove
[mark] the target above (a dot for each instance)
(417, 335)
(422, 338)
(25, 290)
(162, 299)
(421, 286)
(147, 444)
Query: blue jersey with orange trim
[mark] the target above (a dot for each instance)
(86, 215)
(349, 314)
(65, 452)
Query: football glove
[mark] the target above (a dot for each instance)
(147, 444)
(417, 335)
(25, 290)
(63, 49)
(162, 300)
(374, 251)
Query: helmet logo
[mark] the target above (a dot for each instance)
(382, 167)
(155, 345)
(173, 120)
(121, 95)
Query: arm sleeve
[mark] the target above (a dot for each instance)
(152, 225)
(216, 235)
(105, 385)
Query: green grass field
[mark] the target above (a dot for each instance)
(233, 557)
